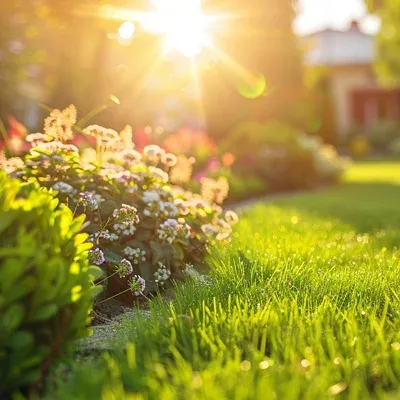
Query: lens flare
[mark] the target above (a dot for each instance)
(253, 86)
(126, 30)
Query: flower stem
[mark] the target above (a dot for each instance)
(112, 297)
(107, 277)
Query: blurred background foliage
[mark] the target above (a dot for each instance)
(388, 58)
(57, 53)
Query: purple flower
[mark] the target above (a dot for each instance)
(96, 256)
(137, 285)
(124, 268)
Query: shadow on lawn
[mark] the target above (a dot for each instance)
(368, 207)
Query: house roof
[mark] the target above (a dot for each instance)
(339, 48)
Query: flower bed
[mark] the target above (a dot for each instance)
(147, 230)
(283, 157)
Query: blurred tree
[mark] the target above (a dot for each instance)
(387, 64)
(62, 52)
(258, 74)
(35, 55)
(17, 55)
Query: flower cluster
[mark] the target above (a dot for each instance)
(90, 201)
(125, 220)
(182, 170)
(172, 229)
(137, 217)
(136, 255)
(124, 268)
(65, 188)
(153, 153)
(137, 285)
(10, 165)
(103, 234)
(106, 138)
(214, 189)
(161, 209)
(96, 256)
(162, 274)
(58, 125)
(191, 272)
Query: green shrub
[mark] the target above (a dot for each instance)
(395, 147)
(143, 224)
(46, 287)
(382, 133)
(282, 156)
(240, 186)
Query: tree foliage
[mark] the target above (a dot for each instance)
(387, 64)
(260, 45)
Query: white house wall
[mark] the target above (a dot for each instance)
(344, 81)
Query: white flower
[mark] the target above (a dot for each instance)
(162, 274)
(89, 201)
(191, 272)
(136, 255)
(158, 174)
(10, 165)
(153, 151)
(161, 209)
(104, 234)
(131, 156)
(151, 196)
(169, 159)
(125, 220)
(172, 229)
(231, 217)
(65, 188)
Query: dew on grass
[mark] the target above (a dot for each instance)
(245, 365)
(395, 346)
(264, 365)
(305, 363)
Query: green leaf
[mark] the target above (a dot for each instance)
(95, 272)
(148, 223)
(44, 312)
(143, 235)
(112, 257)
(92, 228)
(146, 270)
(157, 252)
(136, 244)
(95, 291)
(107, 208)
(6, 220)
(20, 339)
(12, 318)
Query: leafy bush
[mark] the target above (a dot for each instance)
(46, 287)
(146, 229)
(359, 146)
(395, 147)
(382, 133)
(282, 156)
(241, 187)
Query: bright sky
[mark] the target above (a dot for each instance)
(319, 14)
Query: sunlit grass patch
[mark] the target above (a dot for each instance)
(304, 304)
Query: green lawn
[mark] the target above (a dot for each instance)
(304, 304)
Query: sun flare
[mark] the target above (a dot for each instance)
(183, 24)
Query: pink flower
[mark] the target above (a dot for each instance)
(213, 165)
